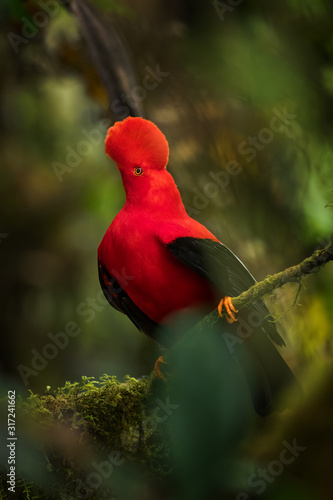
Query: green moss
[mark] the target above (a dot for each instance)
(69, 432)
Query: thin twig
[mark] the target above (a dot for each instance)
(291, 275)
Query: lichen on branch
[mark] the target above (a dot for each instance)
(292, 274)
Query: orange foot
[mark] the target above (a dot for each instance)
(157, 368)
(227, 303)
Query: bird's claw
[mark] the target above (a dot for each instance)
(157, 368)
(227, 303)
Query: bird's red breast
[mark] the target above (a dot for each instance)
(134, 249)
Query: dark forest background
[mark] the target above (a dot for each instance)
(244, 93)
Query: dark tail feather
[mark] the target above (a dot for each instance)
(266, 372)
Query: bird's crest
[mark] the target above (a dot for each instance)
(136, 141)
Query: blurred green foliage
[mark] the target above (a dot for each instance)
(229, 74)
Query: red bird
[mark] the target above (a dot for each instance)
(155, 260)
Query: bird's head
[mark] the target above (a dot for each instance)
(137, 146)
(141, 153)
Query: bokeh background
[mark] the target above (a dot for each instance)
(223, 71)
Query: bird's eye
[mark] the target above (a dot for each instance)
(138, 170)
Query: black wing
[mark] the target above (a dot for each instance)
(219, 265)
(118, 298)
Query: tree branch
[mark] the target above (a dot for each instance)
(271, 283)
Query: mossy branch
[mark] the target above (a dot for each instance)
(290, 275)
